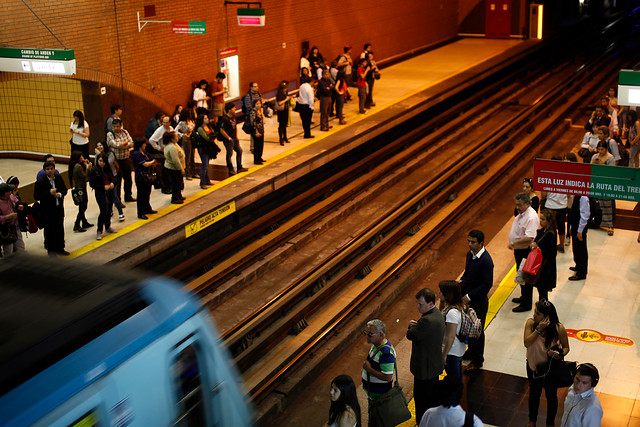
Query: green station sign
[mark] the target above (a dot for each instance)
(46, 54)
(37, 61)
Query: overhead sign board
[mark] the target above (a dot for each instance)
(585, 179)
(251, 17)
(40, 61)
(629, 87)
(189, 27)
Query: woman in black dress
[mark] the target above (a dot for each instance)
(546, 241)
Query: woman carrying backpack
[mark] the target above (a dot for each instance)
(451, 306)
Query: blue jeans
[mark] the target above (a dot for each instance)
(231, 146)
(204, 168)
(454, 366)
(105, 203)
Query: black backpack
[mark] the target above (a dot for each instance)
(624, 154)
(595, 215)
(196, 140)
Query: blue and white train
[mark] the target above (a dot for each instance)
(93, 346)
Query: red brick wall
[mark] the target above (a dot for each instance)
(160, 67)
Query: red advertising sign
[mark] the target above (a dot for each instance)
(228, 52)
(587, 335)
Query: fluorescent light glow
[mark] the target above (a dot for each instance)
(539, 35)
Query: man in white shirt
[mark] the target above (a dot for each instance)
(157, 150)
(582, 407)
(523, 231)
(449, 413)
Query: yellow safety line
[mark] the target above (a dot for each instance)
(498, 298)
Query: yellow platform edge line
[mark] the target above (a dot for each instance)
(496, 301)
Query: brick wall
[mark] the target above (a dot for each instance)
(159, 68)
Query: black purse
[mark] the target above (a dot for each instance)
(8, 232)
(79, 196)
(150, 177)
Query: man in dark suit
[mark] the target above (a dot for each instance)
(476, 282)
(578, 217)
(50, 191)
(426, 335)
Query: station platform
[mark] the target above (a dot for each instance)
(401, 87)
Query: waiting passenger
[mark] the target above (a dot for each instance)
(229, 133)
(206, 136)
(200, 95)
(346, 64)
(365, 50)
(304, 105)
(184, 128)
(157, 151)
(527, 188)
(545, 240)
(613, 113)
(282, 111)
(217, 97)
(79, 134)
(634, 139)
(256, 121)
(315, 60)
(175, 117)
(120, 142)
(372, 75)
(144, 167)
(582, 407)
(378, 368)
(101, 179)
(545, 339)
(114, 168)
(599, 118)
(612, 145)
(305, 66)
(79, 169)
(247, 104)
(174, 164)
(589, 144)
(558, 203)
(154, 123)
(47, 158)
(361, 71)
(345, 409)
(9, 208)
(325, 89)
(449, 413)
(341, 90)
(451, 307)
(523, 230)
(603, 157)
(50, 191)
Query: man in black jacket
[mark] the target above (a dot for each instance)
(476, 283)
(50, 191)
(426, 335)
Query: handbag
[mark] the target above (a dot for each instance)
(533, 263)
(557, 372)
(390, 409)
(79, 196)
(150, 177)
(298, 107)
(8, 232)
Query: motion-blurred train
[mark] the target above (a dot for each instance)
(88, 346)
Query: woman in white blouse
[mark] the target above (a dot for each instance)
(79, 134)
(304, 104)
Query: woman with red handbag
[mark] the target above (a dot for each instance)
(546, 241)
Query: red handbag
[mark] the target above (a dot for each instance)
(533, 263)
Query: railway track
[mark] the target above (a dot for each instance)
(426, 180)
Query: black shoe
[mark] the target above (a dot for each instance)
(573, 268)
(177, 202)
(87, 225)
(521, 308)
(166, 191)
(152, 212)
(130, 199)
(79, 229)
(143, 217)
(282, 143)
(258, 162)
(576, 277)
(242, 170)
(63, 252)
(517, 300)
(309, 136)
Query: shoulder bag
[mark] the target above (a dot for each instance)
(79, 196)
(8, 232)
(390, 409)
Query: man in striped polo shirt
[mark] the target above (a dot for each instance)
(377, 371)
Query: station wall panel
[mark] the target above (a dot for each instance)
(158, 69)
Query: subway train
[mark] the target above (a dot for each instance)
(84, 345)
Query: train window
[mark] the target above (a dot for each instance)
(188, 386)
(90, 419)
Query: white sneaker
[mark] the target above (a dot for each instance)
(121, 217)
(99, 236)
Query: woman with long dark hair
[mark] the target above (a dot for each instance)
(256, 118)
(101, 179)
(545, 338)
(341, 90)
(79, 169)
(112, 163)
(603, 157)
(207, 136)
(345, 409)
(79, 134)
(546, 240)
(184, 128)
(451, 307)
(282, 110)
(175, 117)
(142, 165)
